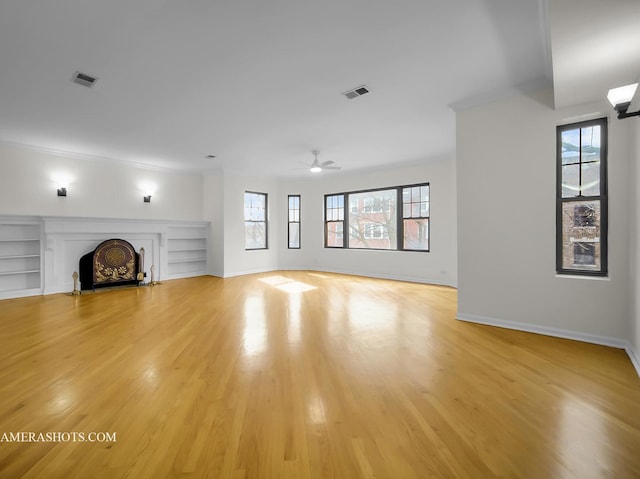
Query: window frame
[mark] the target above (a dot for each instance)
(419, 217)
(265, 220)
(345, 215)
(290, 222)
(602, 198)
(399, 223)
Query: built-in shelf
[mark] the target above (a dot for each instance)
(187, 250)
(21, 240)
(177, 249)
(6, 273)
(195, 260)
(20, 257)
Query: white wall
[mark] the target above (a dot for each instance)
(213, 212)
(237, 260)
(97, 189)
(506, 177)
(438, 266)
(635, 244)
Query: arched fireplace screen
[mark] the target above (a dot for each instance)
(113, 262)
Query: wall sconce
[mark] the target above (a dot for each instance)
(621, 98)
(61, 180)
(147, 198)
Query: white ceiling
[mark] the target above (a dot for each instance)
(595, 46)
(259, 83)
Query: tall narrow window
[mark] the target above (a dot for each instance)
(334, 221)
(294, 221)
(255, 220)
(581, 236)
(415, 217)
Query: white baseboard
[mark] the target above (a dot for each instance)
(409, 279)
(20, 294)
(558, 333)
(254, 271)
(634, 356)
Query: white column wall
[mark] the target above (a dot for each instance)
(213, 212)
(635, 245)
(506, 176)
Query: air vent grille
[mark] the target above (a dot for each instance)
(84, 79)
(356, 92)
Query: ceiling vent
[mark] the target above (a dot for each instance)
(84, 79)
(356, 92)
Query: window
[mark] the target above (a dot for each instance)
(370, 226)
(581, 235)
(334, 221)
(294, 222)
(255, 220)
(415, 217)
(373, 221)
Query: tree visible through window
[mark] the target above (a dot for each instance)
(255, 220)
(374, 221)
(581, 235)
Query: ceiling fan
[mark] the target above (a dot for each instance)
(317, 167)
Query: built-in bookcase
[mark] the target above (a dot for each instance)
(38, 254)
(20, 258)
(187, 250)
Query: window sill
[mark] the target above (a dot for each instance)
(583, 276)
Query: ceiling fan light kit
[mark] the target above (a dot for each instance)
(317, 167)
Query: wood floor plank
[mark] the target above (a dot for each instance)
(304, 375)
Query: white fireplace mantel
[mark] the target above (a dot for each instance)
(177, 249)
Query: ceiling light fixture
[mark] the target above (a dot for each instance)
(317, 167)
(621, 98)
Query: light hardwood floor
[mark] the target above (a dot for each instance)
(304, 375)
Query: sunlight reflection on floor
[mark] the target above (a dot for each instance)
(287, 285)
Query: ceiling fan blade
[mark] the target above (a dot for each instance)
(331, 168)
(327, 163)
